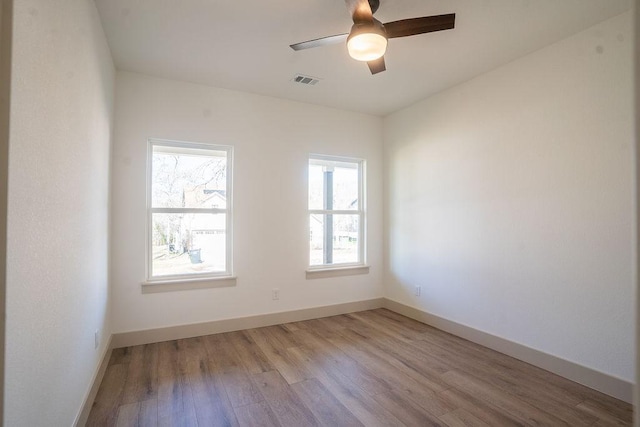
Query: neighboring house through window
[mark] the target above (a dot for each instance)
(336, 212)
(189, 210)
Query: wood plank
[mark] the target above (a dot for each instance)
(225, 362)
(321, 326)
(240, 390)
(423, 396)
(286, 405)
(278, 357)
(481, 362)
(128, 415)
(142, 374)
(552, 400)
(606, 412)
(139, 414)
(148, 413)
(406, 410)
(342, 320)
(461, 418)
(257, 415)
(329, 357)
(508, 403)
(563, 389)
(175, 399)
(249, 354)
(420, 370)
(402, 321)
(359, 403)
(294, 326)
(332, 323)
(385, 325)
(211, 402)
(467, 356)
(367, 330)
(326, 408)
(611, 422)
(104, 411)
(283, 336)
(120, 355)
(478, 408)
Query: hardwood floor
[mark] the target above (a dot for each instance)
(372, 368)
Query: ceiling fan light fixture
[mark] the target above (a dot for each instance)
(366, 43)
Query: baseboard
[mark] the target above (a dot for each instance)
(147, 336)
(616, 387)
(83, 415)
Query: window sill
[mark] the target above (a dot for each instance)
(322, 273)
(156, 286)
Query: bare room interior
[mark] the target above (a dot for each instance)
(320, 212)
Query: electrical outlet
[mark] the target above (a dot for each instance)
(418, 290)
(275, 294)
(96, 339)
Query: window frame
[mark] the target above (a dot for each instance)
(361, 212)
(228, 211)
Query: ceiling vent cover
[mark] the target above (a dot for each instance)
(305, 80)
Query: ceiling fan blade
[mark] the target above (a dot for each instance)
(426, 24)
(360, 10)
(377, 65)
(322, 41)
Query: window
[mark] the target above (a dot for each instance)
(189, 210)
(336, 212)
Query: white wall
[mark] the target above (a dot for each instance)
(57, 260)
(6, 14)
(272, 139)
(509, 199)
(636, 21)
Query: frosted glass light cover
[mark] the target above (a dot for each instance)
(367, 46)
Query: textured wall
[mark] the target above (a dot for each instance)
(57, 261)
(272, 139)
(6, 14)
(510, 201)
(637, 147)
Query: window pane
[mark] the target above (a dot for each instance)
(188, 178)
(316, 239)
(188, 244)
(339, 180)
(345, 188)
(345, 238)
(342, 246)
(316, 192)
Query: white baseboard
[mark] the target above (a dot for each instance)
(147, 336)
(83, 415)
(616, 387)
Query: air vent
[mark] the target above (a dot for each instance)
(305, 80)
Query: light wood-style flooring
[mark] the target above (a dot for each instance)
(372, 368)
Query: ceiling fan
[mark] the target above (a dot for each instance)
(367, 40)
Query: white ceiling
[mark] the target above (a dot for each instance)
(244, 45)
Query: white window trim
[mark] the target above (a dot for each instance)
(360, 267)
(162, 282)
(157, 286)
